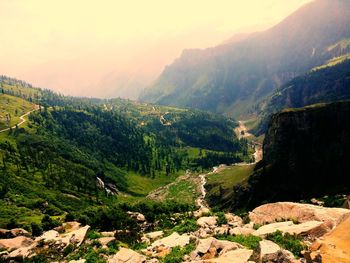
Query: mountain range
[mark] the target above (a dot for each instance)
(235, 78)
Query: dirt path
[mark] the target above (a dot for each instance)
(163, 121)
(22, 118)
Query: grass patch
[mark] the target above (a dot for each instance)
(287, 241)
(249, 241)
(220, 186)
(177, 253)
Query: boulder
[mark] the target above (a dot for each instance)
(16, 242)
(233, 220)
(154, 235)
(273, 212)
(23, 252)
(280, 256)
(201, 212)
(267, 247)
(104, 241)
(5, 233)
(241, 231)
(78, 261)
(73, 237)
(234, 256)
(126, 255)
(48, 235)
(311, 228)
(173, 240)
(108, 233)
(211, 247)
(221, 230)
(209, 221)
(334, 247)
(138, 216)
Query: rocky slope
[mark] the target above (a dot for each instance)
(216, 238)
(231, 78)
(327, 84)
(306, 153)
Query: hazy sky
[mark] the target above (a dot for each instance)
(95, 47)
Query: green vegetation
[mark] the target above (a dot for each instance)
(177, 253)
(76, 156)
(187, 225)
(249, 241)
(11, 108)
(287, 241)
(220, 186)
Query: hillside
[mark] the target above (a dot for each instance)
(11, 109)
(306, 153)
(232, 78)
(77, 155)
(328, 83)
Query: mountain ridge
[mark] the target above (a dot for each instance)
(232, 78)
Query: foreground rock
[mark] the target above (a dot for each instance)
(162, 247)
(211, 247)
(16, 242)
(75, 237)
(335, 246)
(234, 256)
(5, 233)
(273, 212)
(126, 255)
(311, 228)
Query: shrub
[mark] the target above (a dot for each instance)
(249, 241)
(287, 241)
(186, 226)
(221, 218)
(177, 253)
(48, 223)
(37, 230)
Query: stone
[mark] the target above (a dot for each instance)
(334, 247)
(75, 237)
(209, 245)
(273, 212)
(233, 220)
(108, 233)
(104, 241)
(5, 233)
(221, 230)
(23, 252)
(154, 235)
(201, 212)
(48, 235)
(234, 256)
(16, 242)
(209, 221)
(241, 231)
(280, 256)
(172, 241)
(267, 247)
(126, 255)
(78, 261)
(306, 228)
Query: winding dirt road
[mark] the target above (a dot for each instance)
(22, 118)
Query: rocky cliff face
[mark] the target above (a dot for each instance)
(306, 154)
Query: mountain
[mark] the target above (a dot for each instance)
(327, 83)
(306, 153)
(232, 78)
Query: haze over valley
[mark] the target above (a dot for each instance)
(169, 132)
